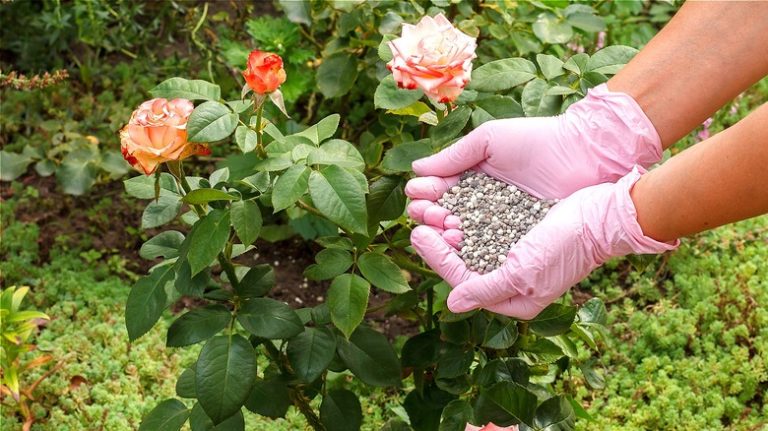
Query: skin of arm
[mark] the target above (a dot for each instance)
(721, 180)
(704, 57)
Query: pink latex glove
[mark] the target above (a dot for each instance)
(578, 234)
(598, 139)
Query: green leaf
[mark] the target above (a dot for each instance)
(516, 370)
(501, 107)
(415, 109)
(593, 311)
(382, 272)
(338, 196)
(425, 407)
(559, 90)
(146, 301)
(611, 59)
(502, 74)
(454, 361)
(370, 357)
(501, 333)
(550, 29)
(246, 219)
(77, 171)
(337, 152)
(269, 398)
(555, 414)
(185, 386)
(208, 239)
(337, 74)
(553, 320)
(299, 12)
(480, 116)
(535, 101)
(399, 158)
(551, 66)
(341, 411)
(224, 374)
(290, 187)
(169, 415)
(593, 378)
(203, 196)
(389, 96)
(588, 22)
(451, 125)
(198, 325)
(143, 186)
(421, 350)
(161, 211)
(199, 421)
(246, 139)
(192, 89)
(330, 263)
(386, 199)
(504, 404)
(385, 54)
(311, 352)
(257, 282)
(186, 284)
(577, 63)
(165, 244)
(268, 318)
(321, 131)
(347, 301)
(13, 165)
(210, 122)
(456, 415)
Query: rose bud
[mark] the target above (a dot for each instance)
(264, 73)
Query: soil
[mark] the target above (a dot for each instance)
(107, 220)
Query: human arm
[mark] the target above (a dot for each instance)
(705, 56)
(721, 180)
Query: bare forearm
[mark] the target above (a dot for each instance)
(707, 54)
(719, 181)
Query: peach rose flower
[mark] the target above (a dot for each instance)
(490, 427)
(157, 133)
(264, 72)
(434, 56)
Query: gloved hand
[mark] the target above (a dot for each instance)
(578, 234)
(598, 139)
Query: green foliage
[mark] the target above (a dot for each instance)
(697, 346)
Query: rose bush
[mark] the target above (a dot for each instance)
(460, 369)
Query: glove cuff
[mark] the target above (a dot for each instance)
(620, 133)
(632, 240)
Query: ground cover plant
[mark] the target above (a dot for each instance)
(299, 130)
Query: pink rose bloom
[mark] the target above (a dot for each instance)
(435, 56)
(157, 133)
(490, 427)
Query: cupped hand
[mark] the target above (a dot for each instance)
(578, 234)
(598, 139)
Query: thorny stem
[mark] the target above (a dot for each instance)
(297, 398)
(403, 262)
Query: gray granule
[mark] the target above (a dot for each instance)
(494, 216)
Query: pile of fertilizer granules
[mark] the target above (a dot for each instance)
(494, 216)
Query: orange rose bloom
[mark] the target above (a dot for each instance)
(157, 133)
(264, 73)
